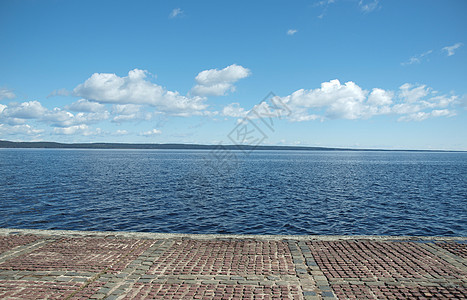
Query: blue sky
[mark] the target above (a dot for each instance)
(345, 73)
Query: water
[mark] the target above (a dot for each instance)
(267, 192)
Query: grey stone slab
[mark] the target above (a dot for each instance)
(309, 293)
(328, 295)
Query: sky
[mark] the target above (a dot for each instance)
(330, 73)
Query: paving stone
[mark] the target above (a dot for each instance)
(309, 293)
(327, 294)
(104, 291)
(356, 259)
(16, 241)
(76, 254)
(97, 296)
(92, 267)
(235, 257)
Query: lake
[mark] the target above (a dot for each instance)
(258, 192)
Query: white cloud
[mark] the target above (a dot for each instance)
(6, 94)
(25, 110)
(234, 110)
(334, 100)
(410, 93)
(151, 132)
(18, 113)
(129, 112)
(121, 132)
(380, 97)
(61, 118)
(417, 58)
(216, 82)
(126, 109)
(450, 50)
(136, 89)
(291, 31)
(339, 101)
(175, 12)
(420, 116)
(442, 112)
(132, 117)
(368, 6)
(24, 129)
(82, 129)
(84, 105)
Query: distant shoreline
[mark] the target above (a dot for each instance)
(54, 145)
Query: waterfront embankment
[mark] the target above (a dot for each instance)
(54, 264)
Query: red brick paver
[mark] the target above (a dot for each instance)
(369, 259)
(459, 249)
(353, 291)
(12, 241)
(18, 289)
(236, 257)
(77, 254)
(203, 291)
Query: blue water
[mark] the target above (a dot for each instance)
(260, 192)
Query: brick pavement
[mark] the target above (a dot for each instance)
(39, 264)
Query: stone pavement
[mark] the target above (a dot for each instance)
(39, 264)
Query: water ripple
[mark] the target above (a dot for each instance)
(371, 193)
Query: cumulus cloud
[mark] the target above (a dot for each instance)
(380, 97)
(349, 101)
(6, 94)
(340, 101)
(126, 109)
(234, 110)
(129, 112)
(420, 116)
(216, 82)
(60, 118)
(291, 31)
(175, 12)
(19, 113)
(450, 50)
(25, 110)
(84, 105)
(151, 132)
(334, 100)
(24, 129)
(82, 129)
(136, 89)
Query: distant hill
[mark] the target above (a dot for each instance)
(8, 144)
(53, 145)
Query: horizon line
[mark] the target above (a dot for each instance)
(194, 146)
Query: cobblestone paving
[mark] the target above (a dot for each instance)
(365, 259)
(49, 265)
(10, 242)
(78, 254)
(235, 257)
(459, 249)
